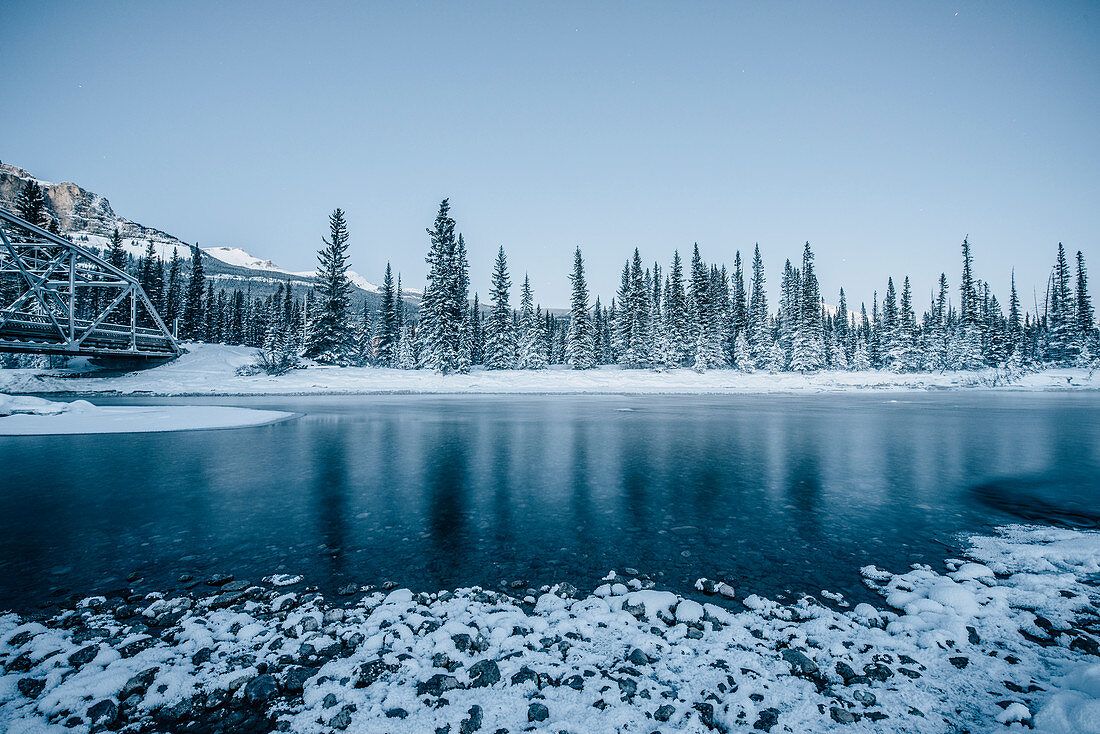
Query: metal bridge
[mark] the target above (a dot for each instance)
(58, 298)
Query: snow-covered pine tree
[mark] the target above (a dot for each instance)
(807, 349)
(331, 334)
(500, 343)
(532, 350)
(739, 310)
(842, 333)
(388, 333)
(440, 324)
(742, 355)
(908, 336)
(193, 327)
(777, 358)
(676, 315)
(706, 338)
(759, 340)
(578, 344)
(860, 360)
(365, 338)
(1086, 324)
(151, 274)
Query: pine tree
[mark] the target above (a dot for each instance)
(331, 335)
(31, 204)
(705, 336)
(1015, 328)
(477, 332)
(808, 349)
(443, 307)
(739, 305)
(578, 348)
(891, 332)
(173, 292)
(500, 343)
(759, 341)
(115, 254)
(151, 275)
(1085, 319)
(388, 331)
(1061, 320)
(676, 315)
(840, 328)
(193, 327)
(532, 350)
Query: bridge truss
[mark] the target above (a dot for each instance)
(59, 298)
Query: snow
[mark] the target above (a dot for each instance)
(209, 369)
(30, 416)
(963, 662)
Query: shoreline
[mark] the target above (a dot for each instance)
(985, 641)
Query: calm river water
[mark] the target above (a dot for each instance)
(779, 494)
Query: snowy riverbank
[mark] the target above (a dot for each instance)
(29, 416)
(209, 369)
(1007, 637)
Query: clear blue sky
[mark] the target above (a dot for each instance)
(882, 132)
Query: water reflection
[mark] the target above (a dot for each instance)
(778, 492)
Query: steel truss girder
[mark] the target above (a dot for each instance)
(45, 274)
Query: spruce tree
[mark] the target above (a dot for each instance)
(388, 329)
(759, 341)
(1085, 319)
(1061, 320)
(500, 344)
(193, 327)
(331, 334)
(116, 255)
(676, 315)
(532, 351)
(808, 349)
(578, 346)
(31, 204)
(705, 337)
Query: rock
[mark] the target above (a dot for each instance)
(664, 713)
(484, 673)
(524, 675)
(878, 671)
(576, 682)
(637, 657)
(227, 599)
(725, 590)
(261, 688)
(296, 678)
(396, 713)
(706, 714)
(342, 720)
(845, 671)
(462, 641)
(83, 656)
(864, 697)
(537, 712)
(31, 687)
(328, 701)
(369, 672)
(102, 714)
(348, 590)
(909, 673)
(472, 722)
(219, 579)
(627, 686)
(707, 586)
(138, 683)
(436, 685)
(800, 664)
(202, 656)
(841, 716)
(959, 661)
(768, 718)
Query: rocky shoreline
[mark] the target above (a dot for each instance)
(982, 645)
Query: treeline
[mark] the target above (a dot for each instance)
(695, 315)
(699, 315)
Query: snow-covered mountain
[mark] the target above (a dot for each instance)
(88, 219)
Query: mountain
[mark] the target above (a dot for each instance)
(87, 218)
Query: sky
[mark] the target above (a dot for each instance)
(883, 133)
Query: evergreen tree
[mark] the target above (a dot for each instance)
(365, 338)
(388, 328)
(532, 350)
(151, 275)
(1085, 319)
(676, 315)
(706, 338)
(1015, 327)
(578, 348)
(443, 306)
(331, 335)
(193, 327)
(739, 306)
(1061, 320)
(31, 204)
(477, 333)
(759, 341)
(808, 349)
(500, 343)
(115, 254)
(173, 292)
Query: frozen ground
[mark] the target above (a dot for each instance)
(208, 369)
(1003, 639)
(29, 416)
